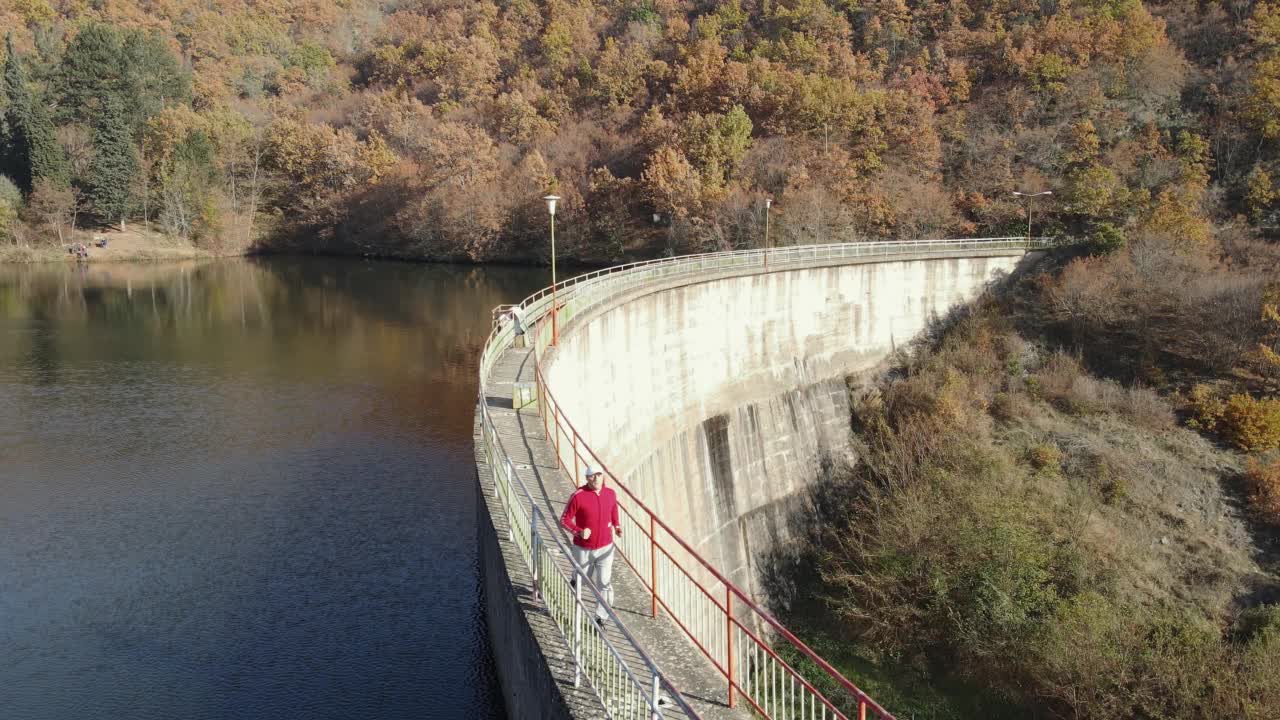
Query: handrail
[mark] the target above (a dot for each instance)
(759, 685)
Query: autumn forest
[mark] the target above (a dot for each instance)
(430, 129)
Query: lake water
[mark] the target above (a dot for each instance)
(243, 489)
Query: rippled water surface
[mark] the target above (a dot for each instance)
(242, 489)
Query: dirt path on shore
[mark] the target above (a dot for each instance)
(139, 244)
(135, 243)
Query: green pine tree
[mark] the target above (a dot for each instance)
(93, 69)
(31, 150)
(14, 161)
(48, 159)
(102, 62)
(114, 163)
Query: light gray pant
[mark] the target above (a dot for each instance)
(598, 565)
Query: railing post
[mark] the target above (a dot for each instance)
(556, 423)
(657, 711)
(653, 569)
(728, 629)
(511, 502)
(862, 709)
(510, 469)
(535, 542)
(574, 438)
(492, 454)
(577, 626)
(542, 403)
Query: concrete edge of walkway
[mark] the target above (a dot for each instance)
(535, 667)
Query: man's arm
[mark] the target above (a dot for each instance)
(568, 519)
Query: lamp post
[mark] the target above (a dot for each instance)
(555, 305)
(1030, 200)
(768, 202)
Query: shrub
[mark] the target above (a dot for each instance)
(1113, 490)
(1045, 456)
(1152, 306)
(1063, 383)
(1054, 381)
(1177, 658)
(1099, 471)
(1000, 587)
(1205, 407)
(1257, 621)
(1251, 424)
(1145, 408)
(9, 193)
(1256, 690)
(1088, 395)
(1262, 486)
(1109, 482)
(1106, 238)
(1085, 653)
(8, 216)
(1100, 658)
(1004, 407)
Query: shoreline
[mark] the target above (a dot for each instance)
(20, 255)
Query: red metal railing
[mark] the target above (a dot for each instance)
(770, 685)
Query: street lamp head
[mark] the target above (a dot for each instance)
(768, 202)
(551, 203)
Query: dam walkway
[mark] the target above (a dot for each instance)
(533, 458)
(681, 639)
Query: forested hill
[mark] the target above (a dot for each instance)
(430, 128)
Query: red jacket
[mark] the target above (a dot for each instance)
(586, 509)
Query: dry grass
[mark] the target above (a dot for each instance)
(27, 254)
(1064, 383)
(1137, 487)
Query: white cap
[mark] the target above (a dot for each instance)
(590, 471)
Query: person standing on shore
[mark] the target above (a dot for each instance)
(591, 515)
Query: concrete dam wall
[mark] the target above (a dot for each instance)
(715, 399)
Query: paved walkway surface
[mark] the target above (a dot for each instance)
(525, 440)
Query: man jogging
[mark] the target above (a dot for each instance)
(517, 319)
(592, 516)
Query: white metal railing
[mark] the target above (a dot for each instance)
(725, 624)
(553, 569)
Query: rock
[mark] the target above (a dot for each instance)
(1164, 541)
